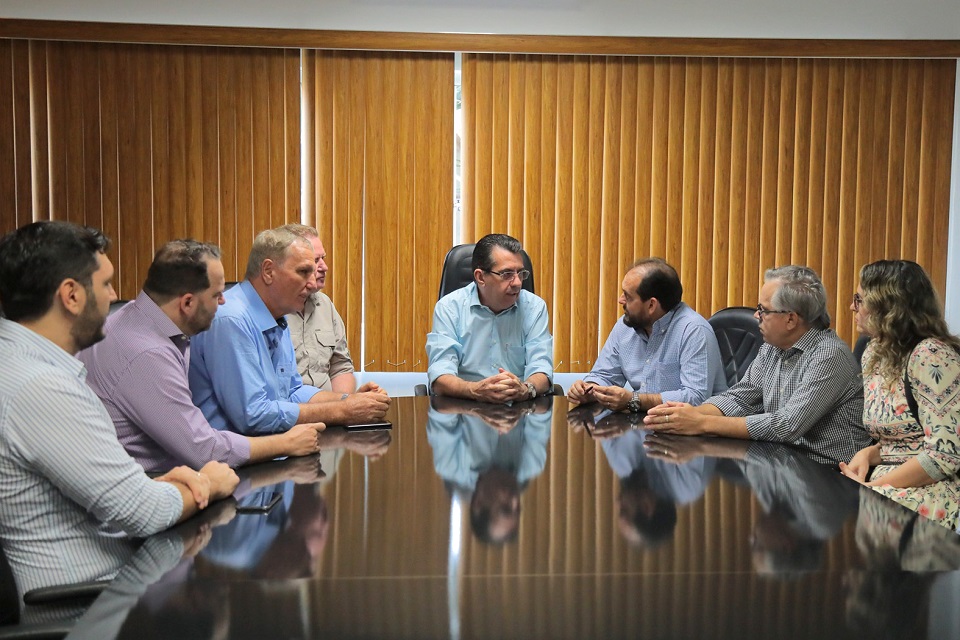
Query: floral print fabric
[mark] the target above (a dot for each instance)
(934, 370)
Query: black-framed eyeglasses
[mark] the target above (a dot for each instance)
(523, 274)
(857, 301)
(762, 311)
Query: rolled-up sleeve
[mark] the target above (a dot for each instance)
(538, 343)
(608, 370)
(746, 397)
(444, 350)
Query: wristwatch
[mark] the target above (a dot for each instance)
(532, 389)
(633, 404)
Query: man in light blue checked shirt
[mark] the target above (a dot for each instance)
(664, 349)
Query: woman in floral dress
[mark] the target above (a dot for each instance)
(916, 459)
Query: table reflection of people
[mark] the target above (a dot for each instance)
(490, 453)
(650, 489)
(902, 553)
(284, 542)
(158, 568)
(804, 504)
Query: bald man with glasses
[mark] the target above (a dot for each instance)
(803, 388)
(490, 340)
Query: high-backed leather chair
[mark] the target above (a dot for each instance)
(458, 273)
(738, 334)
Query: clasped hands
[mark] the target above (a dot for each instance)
(500, 388)
(214, 481)
(613, 398)
(369, 403)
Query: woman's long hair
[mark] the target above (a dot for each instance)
(902, 310)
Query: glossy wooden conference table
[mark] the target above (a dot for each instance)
(468, 521)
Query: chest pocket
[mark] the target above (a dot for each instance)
(321, 349)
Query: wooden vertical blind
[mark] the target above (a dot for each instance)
(380, 150)
(724, 167)
(151, 143)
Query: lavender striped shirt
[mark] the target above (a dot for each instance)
(140, 374)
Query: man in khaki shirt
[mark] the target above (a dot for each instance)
(318, 333)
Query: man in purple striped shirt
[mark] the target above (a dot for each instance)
(140, 370)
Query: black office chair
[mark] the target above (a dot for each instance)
(457, 272)
(738, 334)
(859, 347)
(10, 627)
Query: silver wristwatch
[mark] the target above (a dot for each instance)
(633, 404)
(532, 389)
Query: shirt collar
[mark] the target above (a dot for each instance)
(661, 325)
(257, 309)
(473, 295)
(806, 342)
(41, 348)
(165, 325)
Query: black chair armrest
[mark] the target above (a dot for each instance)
(557, 390)
(59, 593)
(40, 631)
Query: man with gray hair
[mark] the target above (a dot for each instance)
(803, 388)
(318, 333)
(243, 372)
(147, 346)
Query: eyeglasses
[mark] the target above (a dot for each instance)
(857, 301)
(523, 274)
(761, 311)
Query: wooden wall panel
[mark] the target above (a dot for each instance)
(151, 143)
(724, 167)
(381, 140)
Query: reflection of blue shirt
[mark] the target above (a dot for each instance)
(465, 446)
(680, 358)
(241, 543)
(681, 483)
(469, 341)
(243, 372)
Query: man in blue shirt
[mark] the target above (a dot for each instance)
(490, 340)
(243, 371)
(664, 349)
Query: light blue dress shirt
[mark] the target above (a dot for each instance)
(243, 371)
(472, 342)
(680, 358)
(465, 446)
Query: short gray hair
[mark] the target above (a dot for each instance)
(272, 244)
(302, 230)
(800, 291)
